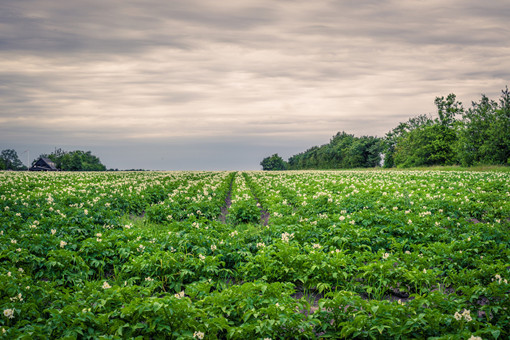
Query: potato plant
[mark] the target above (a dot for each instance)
(183, 255)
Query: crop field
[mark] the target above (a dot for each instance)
(255, 255)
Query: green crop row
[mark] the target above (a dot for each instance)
(349, 254)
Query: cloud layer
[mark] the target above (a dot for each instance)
(261, 74)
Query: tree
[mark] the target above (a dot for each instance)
(10, 161)
(273, 162)
(500, 131)
(484, 132)
(448, 108)
(474, 137)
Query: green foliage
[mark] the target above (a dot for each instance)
(484, 133)
(9, 160)
(345, 254)
(343, 151)
(273, 162)
(479, 137)
(476, 136)
(75, 160)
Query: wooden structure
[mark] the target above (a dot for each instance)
(44, 164)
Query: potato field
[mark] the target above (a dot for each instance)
(255, 255)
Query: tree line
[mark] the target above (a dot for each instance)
(479, 135)
(75, 160)
(64, 160)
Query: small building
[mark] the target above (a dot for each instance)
(44, 164)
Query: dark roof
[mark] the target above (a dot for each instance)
(44, 164)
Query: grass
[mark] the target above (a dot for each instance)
(476, 168)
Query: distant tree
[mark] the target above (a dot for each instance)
(425, 141)
(474, 140)
(448, 108)
(10, 160)
(398, 134)
(343, 151)
(273, 162)
(500, 131)
(484, 132)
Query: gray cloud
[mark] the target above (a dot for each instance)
(284, 75)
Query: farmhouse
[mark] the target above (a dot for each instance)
(44, 164)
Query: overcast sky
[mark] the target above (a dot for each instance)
(218, 85)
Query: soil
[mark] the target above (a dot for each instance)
(228, 202)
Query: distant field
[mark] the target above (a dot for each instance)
(245, 255)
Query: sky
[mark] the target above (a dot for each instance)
(219, 85)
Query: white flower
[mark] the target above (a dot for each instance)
(179, 295)
(63, 244)
(316, 246)
(475, 338)
(286, 237)
(198, 335)
(149, 279)
(213, 247)
(106, 285)
(9, 313)
(202, 257)
(385, 256)
(466, 315)
(53, 231)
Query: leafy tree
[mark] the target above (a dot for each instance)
(273, 162)
(474, 139)
(484, 132)
(447, 109)
(424, 141)
(500, 130)
(9, 160)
